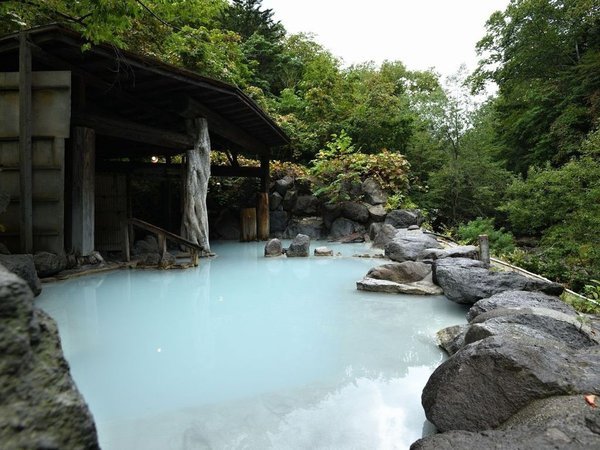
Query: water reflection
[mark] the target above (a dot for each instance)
(249, 352)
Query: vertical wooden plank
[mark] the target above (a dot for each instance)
(125, 234)
(58, 149)
(83, 189)
(248, 219)
(265, 174)
(25, 148)
(484, 249)
(162, 245)
(263, 216)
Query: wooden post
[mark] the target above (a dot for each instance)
(248, 228)
(25, 147)
(263, 216)
(162, 246)
(484, 249)
(82, 221)
(125, 231)
(264, 228)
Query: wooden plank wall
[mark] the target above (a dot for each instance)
(111, 211)
(50, 122)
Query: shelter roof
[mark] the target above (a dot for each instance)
(146, 90)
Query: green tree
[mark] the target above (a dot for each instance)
(545, 57)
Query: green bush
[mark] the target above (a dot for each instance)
(340, 167)
(501, 241)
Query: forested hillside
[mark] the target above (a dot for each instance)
(526, 159)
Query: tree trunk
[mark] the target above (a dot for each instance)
(194, 223)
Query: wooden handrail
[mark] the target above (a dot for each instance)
(162, 236)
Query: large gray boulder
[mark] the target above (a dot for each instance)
(283, 185)
(404, 218)
(461, 251)
(342, 227)
(273, 248)
(405, 272)
(24, 267)
(278, 221)
(41, 407)
(424, 287)
(384, 234)
(306, 205)
(465, 283)
(311, 226)
(275, 200)
(561, 422)
(48, 264)
(408, 277)
(289, 200)
(534, 322)
(410, 246)
(330, 212)
(488, 381)
(300, 246)
(357, 212)
(517, 300)
(372, 192)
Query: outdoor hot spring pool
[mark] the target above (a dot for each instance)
(250, 352)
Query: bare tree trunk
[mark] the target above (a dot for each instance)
(194, 223)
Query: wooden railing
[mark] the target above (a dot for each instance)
(162, 236)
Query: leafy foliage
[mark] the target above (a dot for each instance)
(501, 241)
(340, 168)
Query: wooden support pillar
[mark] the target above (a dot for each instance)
(263, 200)
(83, 207)
(263, 216)
(248, 228)
(25, 147)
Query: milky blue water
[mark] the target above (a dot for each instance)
(250, 352)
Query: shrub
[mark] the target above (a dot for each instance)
(501, 241)
(340, 167)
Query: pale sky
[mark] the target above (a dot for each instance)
(421, 33)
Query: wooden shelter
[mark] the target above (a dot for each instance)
(74, 124)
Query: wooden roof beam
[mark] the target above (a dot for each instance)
(132, 131)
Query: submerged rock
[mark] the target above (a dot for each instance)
(323, 251)
(452, 339)
(300, 246)
(273, 248)
(41, 408)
